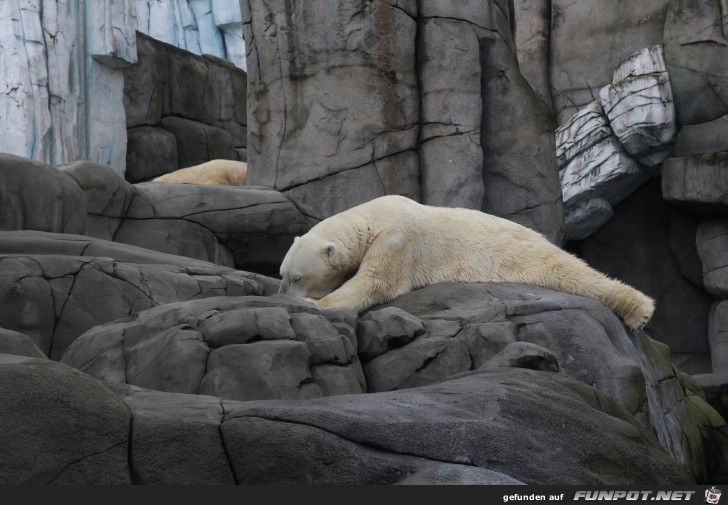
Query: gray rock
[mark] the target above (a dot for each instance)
(192, 347)
(198, 142)
(718, 336)
(697, 59)
(63, 428)
(635, 246)
(146, 83)
(703, 138)
(604, 170)
(640, 108)
(361, 96)
(589, 39)
(150, 152)
(586, 218)
(18, 344)
(524, 355)
(107, 194)
(36, 196)
(533, 35)
(520, 173)
(466, 325)
(595, 170)
(682, 232)
(586, 128)
(53, 289)
(715, 388)
(187, 96)
(442, 433)
(249, 227)
(25, 242)
(174, 236)
(380, 331)
(384, 438)
(176, 438)
(449, 178)
(697, 182)
(395, 174)
(712, 243)
(450, 103)
(445, 474)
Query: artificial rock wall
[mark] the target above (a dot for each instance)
(181, 110)
(414, 98)
(61, 96)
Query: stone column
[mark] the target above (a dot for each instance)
(333, 103)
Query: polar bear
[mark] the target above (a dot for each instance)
(213, 172)
(391, 245)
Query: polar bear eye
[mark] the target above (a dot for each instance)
(297, 278)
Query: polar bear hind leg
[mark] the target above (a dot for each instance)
(570, 274)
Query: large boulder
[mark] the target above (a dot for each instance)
(60, 426)
(443, 433)
(468, 326)
(639, 105)
(384, 438)
(36, 196)
(246, 348)
(249, 227)
(55, 287)
(107, 195)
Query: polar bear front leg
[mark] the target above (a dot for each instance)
(380, 278)
(361, 292)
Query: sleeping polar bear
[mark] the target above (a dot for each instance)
(374, 252)
(213, 172)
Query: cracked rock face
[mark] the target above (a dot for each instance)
(434, 434)
(399, 99)
(640, 108)
(606, 36)
(520, 178)
(697, 58)
(246, 348)
(55, 287)
(249, 227)
(453, 328)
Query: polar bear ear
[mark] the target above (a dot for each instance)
(296, 239)
(330, 249)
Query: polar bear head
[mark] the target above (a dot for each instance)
(313, 267)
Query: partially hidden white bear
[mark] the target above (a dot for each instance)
(214, 172)
(391, 245)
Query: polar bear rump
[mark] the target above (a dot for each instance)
(217, 172)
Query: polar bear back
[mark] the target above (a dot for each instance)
(444, 244)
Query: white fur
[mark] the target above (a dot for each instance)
(374, 252)
(213, 172)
